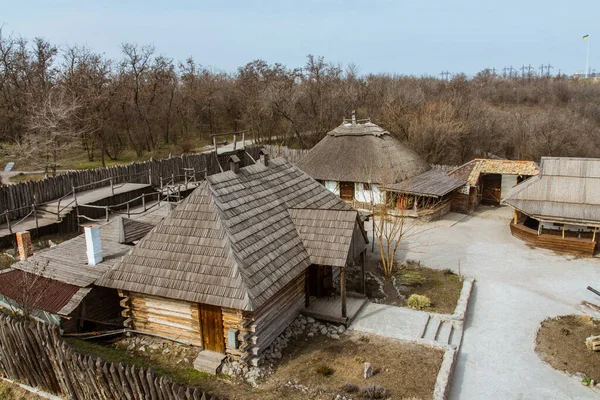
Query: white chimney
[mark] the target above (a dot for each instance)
(354, 116)
(93, 245)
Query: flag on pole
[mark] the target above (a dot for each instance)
(586, 37)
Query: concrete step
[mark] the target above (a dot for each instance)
(445, 332)
(209, 362)
(433, 325)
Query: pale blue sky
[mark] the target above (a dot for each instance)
(407, 37)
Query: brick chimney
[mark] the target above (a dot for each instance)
(24, 245)
(264, 157)
(354, 116)
(234, 164)
(93, 245)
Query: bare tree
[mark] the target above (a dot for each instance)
(30, 289)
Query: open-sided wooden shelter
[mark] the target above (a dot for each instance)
(488, 181)
(355, 158)
(236, 261)
(559, 209)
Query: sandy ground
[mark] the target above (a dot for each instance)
(517, 287)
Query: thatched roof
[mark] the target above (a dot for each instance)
(432, 183)
(232, 242)
(567, 190)
(361, 153)
(470, 171)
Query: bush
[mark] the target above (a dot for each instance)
(448, 271)
(186, 146)
(350, 387)
(418, 302)
(324, 370)
(410, 278)
(373, 392)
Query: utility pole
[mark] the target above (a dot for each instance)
(548, 68)
(529, 73)
(494, 72)
(504, 72)
(542, 70)
(523, 71)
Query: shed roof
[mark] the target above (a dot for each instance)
(470, 171)
(566, 190)
(432, 183)
(38, 292)
(326, 234)
(231, 243)
(67, 262)
(361, 153)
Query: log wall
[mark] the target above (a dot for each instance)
(24, 194)
(36, 355)
(583, 247)
(175, 319)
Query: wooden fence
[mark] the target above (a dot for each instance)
(19, 198)
(291, 155)
(35, 354)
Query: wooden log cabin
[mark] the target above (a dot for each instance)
(559, 209)
(231, 267)
(356, 158)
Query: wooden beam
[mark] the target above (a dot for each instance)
(594, 235)
(516, 217)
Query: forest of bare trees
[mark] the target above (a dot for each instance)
(54, 98)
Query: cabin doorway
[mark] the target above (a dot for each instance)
(211, 320)
(320, 281)
(491, 189)
(347, 191)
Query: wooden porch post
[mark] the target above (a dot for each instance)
(516, 217)
(594, 235)
(343, 290)
(563, 231)
(362, 271)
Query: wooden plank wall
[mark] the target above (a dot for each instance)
(291, 155)
(24, 194)
(36, 354)
(237, 319)
(273, 317)
(583, 247)
(174, 319)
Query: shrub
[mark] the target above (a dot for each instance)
(373, 392)
(448, 271)
(418, 302)
(324, 370)
(410, 278)
(186, 146)
(350, 387)
(364, 338)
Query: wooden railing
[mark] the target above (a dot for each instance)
(571, 245)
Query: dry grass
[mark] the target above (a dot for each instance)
(403, 369)
(561, 343)
(326, 366)
(442, 287)
(13, 392)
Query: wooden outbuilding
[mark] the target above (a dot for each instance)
(231, 267)
(355, 158)
(559, 209)
(427, 196)
(488, 181)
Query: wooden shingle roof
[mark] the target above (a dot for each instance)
(567, 190)
(432, 183)
(231, 243)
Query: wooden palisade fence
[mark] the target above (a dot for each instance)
(19, 198)
(35, 354)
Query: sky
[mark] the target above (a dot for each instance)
(397, 37)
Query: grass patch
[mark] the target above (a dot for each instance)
(180, 374)
(561, 343)
(441, 287)
(9, 391)
(27, 177)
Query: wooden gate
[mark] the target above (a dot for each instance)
(347, 191)
(211, 320)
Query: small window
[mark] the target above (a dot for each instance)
(366, 186)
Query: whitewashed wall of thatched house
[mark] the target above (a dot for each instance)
(360, 194)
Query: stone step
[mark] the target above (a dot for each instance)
(209, 362)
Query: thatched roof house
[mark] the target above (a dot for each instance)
(560, 207)
(227, 269)
(356, 155)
